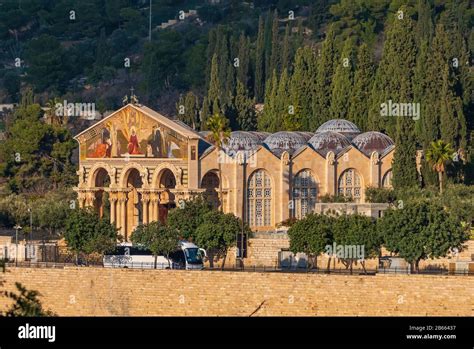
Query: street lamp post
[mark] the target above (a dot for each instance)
(243, 162)
(31, 231)
(16, 227)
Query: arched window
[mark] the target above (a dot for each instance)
(167, 179)
(387, 179)
(304, 193)
(349, 185)
(259, 199)
(210, 182)
(102, 203)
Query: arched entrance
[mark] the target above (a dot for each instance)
(101, 202)
(167, 198)
(134, 205)
(210, 182)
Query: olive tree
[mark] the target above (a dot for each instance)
(85, 232)
(158, 238)
(421, 230)
(311, 235)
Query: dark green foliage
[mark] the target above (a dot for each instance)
(325, 70)
(188, 110)
(380, 195)
(420, 231)
(363, 80)
(86, 233)
(188, 219)
(259, 88)
(311, 235)
(267, 121)
(36, 155)
(47, 64)
(244, 105)
(342, 82)
(275, 63)
(358, 232)
(404, 160)
(218, 232)
(26, 303)
(335, 198)
(394, 77)
(160, 239)
(302, 86)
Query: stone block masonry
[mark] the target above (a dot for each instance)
(122, 292)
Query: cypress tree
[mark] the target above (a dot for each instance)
(214, 91)
(404, 159)
(452, 122)
(268, 45)
(302, 87)
(342, 82)
(363, 80)
(223, 61)
(216, 107)
(396, 67)
(266, 120)
(244, 105)
(286, 50)
(243, 55)
(205, 113)
(191, 105)
(275, 52)
(440, 88)
(102, 56)
(210, 51)
(325, 70)
(283, 119)
(229, 90)
(259, 88)
(188, 110)
(424, 23)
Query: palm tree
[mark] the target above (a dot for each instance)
(220, 134)
(437, 156)
(52, 116)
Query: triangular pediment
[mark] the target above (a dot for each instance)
(136, 131)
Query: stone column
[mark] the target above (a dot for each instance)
(154, 207)
(123, 214)
(331, 180)
(113, 207)
(282, 201)
(90, 199)
(81, 199)
(145, 204)
(374, 170)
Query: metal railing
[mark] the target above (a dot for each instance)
(248, 268)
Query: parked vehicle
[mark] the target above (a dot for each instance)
(186, 256)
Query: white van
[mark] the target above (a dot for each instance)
(186, 256)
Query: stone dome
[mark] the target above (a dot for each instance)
(305, 134)
(241, 140)
(344, 127)
(324, 142)
(260, 134)
(369, 142)
(285, 141)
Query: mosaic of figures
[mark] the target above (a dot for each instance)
(131, 133)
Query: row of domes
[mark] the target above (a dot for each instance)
(334, 135)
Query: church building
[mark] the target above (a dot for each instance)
(137, 164)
